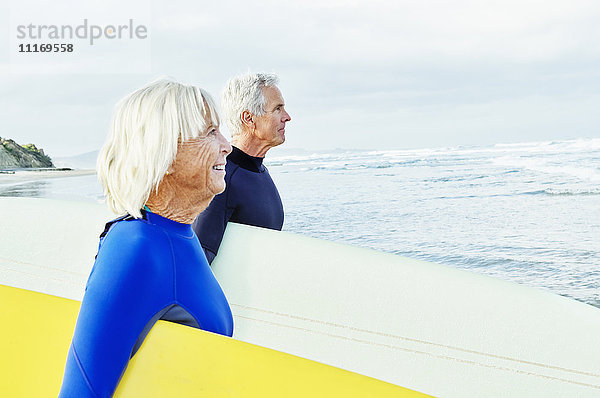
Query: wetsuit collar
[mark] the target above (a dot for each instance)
(246, 161)
(169, 225)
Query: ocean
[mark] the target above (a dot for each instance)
(527, 212)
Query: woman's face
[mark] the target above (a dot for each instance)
(200, 163)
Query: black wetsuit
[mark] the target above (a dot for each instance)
(250, 197)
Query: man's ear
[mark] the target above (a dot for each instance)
(247, 118)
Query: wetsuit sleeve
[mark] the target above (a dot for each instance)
(210, 256)
(120, 299)
(210, 225)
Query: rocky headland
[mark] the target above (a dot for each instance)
(15, 156)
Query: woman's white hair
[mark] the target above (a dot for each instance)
(142, 142)
(244, 92)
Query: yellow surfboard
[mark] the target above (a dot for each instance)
(174, 360)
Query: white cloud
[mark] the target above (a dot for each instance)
(375, 74)
(186, 22)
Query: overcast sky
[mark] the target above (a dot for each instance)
(354, 74)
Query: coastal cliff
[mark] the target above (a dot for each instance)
(13, 155)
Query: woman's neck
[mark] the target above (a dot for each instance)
(177, 205)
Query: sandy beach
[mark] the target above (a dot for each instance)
(23, 175)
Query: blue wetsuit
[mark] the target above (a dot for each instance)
(250, 197)
(146, 269)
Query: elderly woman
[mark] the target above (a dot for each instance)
(160, 167)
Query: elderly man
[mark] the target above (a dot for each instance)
(255, 113)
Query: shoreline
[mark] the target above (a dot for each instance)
(11, 176)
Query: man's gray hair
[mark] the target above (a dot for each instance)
(244, 92)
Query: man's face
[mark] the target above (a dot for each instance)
(270, 127)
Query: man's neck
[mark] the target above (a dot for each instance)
(250, 145)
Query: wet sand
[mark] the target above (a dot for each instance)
(23, 175)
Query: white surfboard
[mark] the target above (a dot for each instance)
(428, 327)
(49, 246)
(423, 326)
